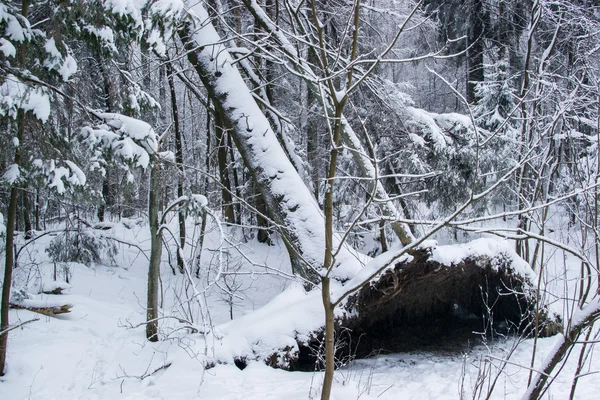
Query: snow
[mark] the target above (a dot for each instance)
(580, 315)
(56, 179)
(78, 177)
(42, 300)
(131, 139)
(127, 8)
(418, 140)
(93, 353)
(68, 68)
(14, 30)
(155, 41)
(14, 95)
(492, 248)
(12, 174)
(168, 9)
(201, 200)
(104, 34)
(51, 49)
(427, 123)
(7, 48)
(291, 315)
(59, 177)
(53, 285)
(39, 104)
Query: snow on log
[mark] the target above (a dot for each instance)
(54, 287)
(436, 298)
(41, 304)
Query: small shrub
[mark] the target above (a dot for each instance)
(80, 246)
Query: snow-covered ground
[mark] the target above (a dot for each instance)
(99, 351)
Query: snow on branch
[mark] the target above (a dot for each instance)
(130, 139)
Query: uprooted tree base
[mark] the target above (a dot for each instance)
(425, 305)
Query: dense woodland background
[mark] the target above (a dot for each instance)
(393, 121)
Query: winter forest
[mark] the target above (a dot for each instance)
(299, 199)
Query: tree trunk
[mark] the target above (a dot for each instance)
(178, 160)
(312, 146)
(537, 386)
(8, 268)
(10, 225)
(226, 198)
(329, 341)
(475, 73)
(264, 230)
(9, 244)
(155, 253)
(37, 210)
(237, 209)
(27, 214)
(108, 104)
(205, 187)
(382, 238)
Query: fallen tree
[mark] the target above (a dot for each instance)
(43, 309)
(437, 297)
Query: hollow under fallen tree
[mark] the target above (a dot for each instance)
(439, 298)
(424, 301)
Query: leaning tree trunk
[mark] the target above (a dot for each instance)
(290, 202)
(582, 319)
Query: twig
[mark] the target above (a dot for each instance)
(18, 326)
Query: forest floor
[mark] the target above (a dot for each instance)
(98, 351)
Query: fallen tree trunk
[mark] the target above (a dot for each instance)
(438, 298)
(46, 310)
(425, 304)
